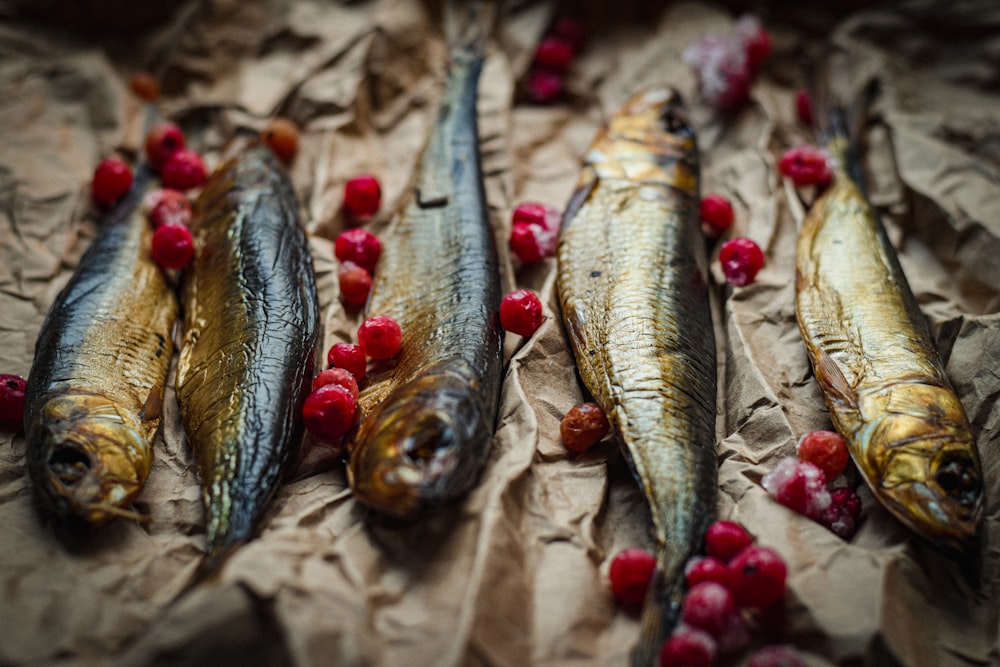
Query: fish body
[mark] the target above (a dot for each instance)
(429, 415)
(95, 392)
(251, 327)
(633, 287)
(881, 377)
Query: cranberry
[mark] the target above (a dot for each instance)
(706, 569)
(806, 165)
(172, 246)
(544, 86)
(348, 356)
(778, 655)
(533, 213)
(725, 539)
(721, 69)
(145, 85)
(688, 647)
(340, 376)
(570, 30)
(827, 450)
(12, 389)
(583, 427)
(554, 53)
(741, 260)
(282, 137)
(708, 606)
(380, 337)
(756, 41)
(531, 243)
(162, 142)
(358, 246)
(169, 207)
(328, 412)
(362, 197)
(521, 312)
(112, 181)
(843, 514)
(183, 170)
(798, 485)
(630, 573)
(758, 577)
(716, 213)
(355, 283)
(804, 108)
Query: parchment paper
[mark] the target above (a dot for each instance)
(517, 573)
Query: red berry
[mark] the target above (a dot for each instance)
(358, 246)
(145, 85)
(355, 284)
(741, 259)
(716, 213)
(328, 412)
(583, 427)
(183, 170)
(172, 246)
(706, 569)
(798, 485)
(806, 165)
(827, 450)
(804, 108)
(758, 577)
(112, 180)
(340, 376)
(554, 53)
(380, 337)
(530, 243)
(756, 41)
(169, 207)
(544, 86)
(630, 573)
(721, 68)
(12, 389)
(162, 142)
(570, 30)
(725, 539)
(776, 656)
(843, 514)
(282, 137)
(348, 356)
(521, 312)
(533, 213)
(688, 647)
(362, 197)
(708, 606)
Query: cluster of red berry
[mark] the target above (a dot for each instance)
(726, 65)
(741, 258)
(546, 78)
(806, 165)
(357, 249)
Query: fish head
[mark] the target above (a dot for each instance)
(88, 460)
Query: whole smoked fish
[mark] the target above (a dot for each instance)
(633, 286)
(95, 392)
(251, 327)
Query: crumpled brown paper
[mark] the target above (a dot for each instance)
(515, 574)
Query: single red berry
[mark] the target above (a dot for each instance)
(706, 569)
(183, 170)
(554, 53)
(282, 137)
(804, 108)
(112, 180)
(716, 213)
(806, 165)
(380, 337)
(162, 142)
(688, 647)
(328, 412)
(778, 655)
(532, 213)
(172, 246)
(583, 427)
(827, 450)
(12, 389)
(630, 573)
(708, 606)
(362, 197)
(756, 42)
(531, 243)
(145, 85)
(359, 246)
(340, 376)
(544, 86)
(355, 283)
(741, 260)
(725, 539)
(758, 577)
(521, 312)
(169, 207)
(570, 30)
(843, 514)
(348, 356)
(798, 485)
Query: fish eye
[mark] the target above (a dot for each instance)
(674, 120)
(958, 479)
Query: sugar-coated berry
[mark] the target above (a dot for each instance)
(359, 246)
(362, 197)
(630, 573)
(355, 283)
(328, 412)
(758, 577)
(380, 337)
(741, 260)
(340, 376)
(570, 30)
(348, 356)
(145, 85)
(688, 647)
(804, 108)
(706, 568)
(798, 485)
(544, 86)
(843, 514)
(169, 207)
(554, 53)
(183, 170)
(583, 427)
(282, 137)
(722, 70)
(547, 217)
(827, 450)
(756, 41)
(725, 539)
(112, 181)
(162, 142)
(806, 165)
(531, 243)
(708, 606)
(777, 655)
(172, 246)
(521, 312)
(12, 389)
(716, 213)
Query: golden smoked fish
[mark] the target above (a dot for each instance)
(429, 416)
(251, 327)
(95, 392)
(633, 286)
(882, 379)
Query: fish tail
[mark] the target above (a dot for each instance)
(469, 25)
(660, 612)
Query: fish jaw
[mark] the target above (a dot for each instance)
(93, 458)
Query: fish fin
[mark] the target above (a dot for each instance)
(830, 375)
(659, 615)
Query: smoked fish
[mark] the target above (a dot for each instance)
(633, 288)
(94, 396)
(881, 376)
(251, 328)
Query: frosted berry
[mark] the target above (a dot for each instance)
(328, 412)
(380, 337)
(758, 577)
(162, 142)
(583, 427)
(282, 137)
(709, 606)
(112, 181)
(725, 539)
(741, 260)
(348, 356)
(716, 213)
(756, 41)
(183, 170)
(779, 655)
(722, 70)
(798, 485)
(806, 165)
(12, 389)
(544, 86)
(531, 243)
(827, 450)
(172, 246)
(803, 108)
(362, 197)
(533, 213)
(169, 207)
(630, 573)
(521, 312)
(359, 246)
(340, 376)
(688, 647)
(355, 283)
(554, 53)
(843, 514)
(145, 85)
(706, 568)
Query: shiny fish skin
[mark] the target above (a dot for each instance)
(251, 327)
(95, 392)
(633, 288)
(882, 379)
(429, 416)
